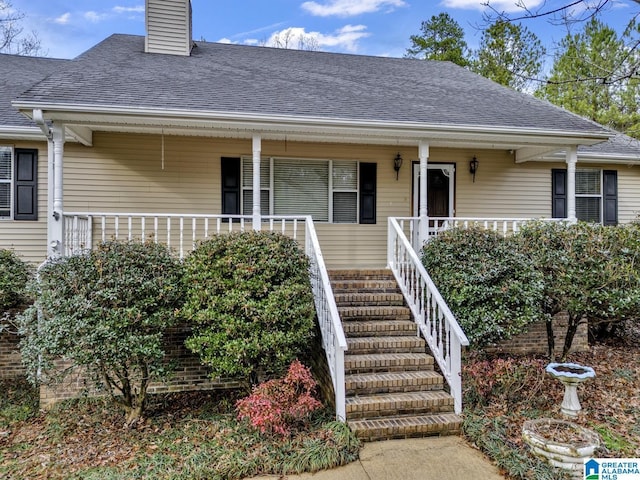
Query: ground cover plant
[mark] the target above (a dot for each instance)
(191, 435)
(250, 303)
(106, 312)
(501, 392)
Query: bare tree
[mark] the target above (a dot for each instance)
(293, 39)
(12, 36)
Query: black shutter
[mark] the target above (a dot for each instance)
(230, 171)
(26, 185)
(610, 197)
(558, 193)
(368, 192)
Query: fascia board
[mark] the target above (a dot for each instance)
(77, 113)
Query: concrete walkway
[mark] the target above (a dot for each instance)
(437, 458)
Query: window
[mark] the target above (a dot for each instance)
(18, 184)
(327, 190)
(596, 195)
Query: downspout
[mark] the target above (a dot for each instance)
(38, 117)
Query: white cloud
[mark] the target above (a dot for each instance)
(507, 6)
(345, 38)
(94, 17)
(63, 19)
(137, 9)
(224, 40)
(349, 8)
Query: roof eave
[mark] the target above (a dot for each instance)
(9, 132)
(258, 122)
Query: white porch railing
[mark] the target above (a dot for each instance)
(182, 232)
(434, 320)
(178, 231)
(333, 339)
(505, 226)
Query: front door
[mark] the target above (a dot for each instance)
(440, 185)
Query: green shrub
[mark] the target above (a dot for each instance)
(106, 311)
(14, 276)
(590, 271)
(492, 289)
(249, 299)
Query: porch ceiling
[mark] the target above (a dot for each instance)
(82, 122)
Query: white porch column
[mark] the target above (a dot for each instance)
(423, 153)
(257, 149)
(572, 159)
(50, 187)
(56, 244)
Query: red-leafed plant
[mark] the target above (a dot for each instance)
(277, 406)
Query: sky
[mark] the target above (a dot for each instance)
(369, 27)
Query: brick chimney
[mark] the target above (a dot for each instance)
(168, 25)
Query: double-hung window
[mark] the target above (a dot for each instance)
(596, 195)
(328, 190)
(18, 184)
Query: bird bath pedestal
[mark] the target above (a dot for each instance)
(571, 375)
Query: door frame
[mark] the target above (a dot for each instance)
(449, 170)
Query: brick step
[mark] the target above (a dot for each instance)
(392, 382)
(352, 299)
(406, 426)
(386, 344)
(394, 404)
(375, 274)
(387, 362)
(370, 328)
(374, 313)
(364, 286)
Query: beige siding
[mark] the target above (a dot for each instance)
(29, 238)
(127, 173)
(168, 27)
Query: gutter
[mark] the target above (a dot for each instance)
(290, 121)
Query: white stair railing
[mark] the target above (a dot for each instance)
(434, 320)
(333, 338)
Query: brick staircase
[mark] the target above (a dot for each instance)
(393, 390)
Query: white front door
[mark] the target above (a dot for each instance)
(440, 189)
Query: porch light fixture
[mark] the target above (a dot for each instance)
(473, 167)
(397, 163)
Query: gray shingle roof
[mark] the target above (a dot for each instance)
(258, 80)
(17, 74)
(620, 145)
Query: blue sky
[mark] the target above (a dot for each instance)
(370, 27)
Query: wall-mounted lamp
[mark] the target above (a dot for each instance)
(397, 163)
(473, 167)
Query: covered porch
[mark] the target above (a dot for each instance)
(98, 186)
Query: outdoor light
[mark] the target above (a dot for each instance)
(397, 163)
(473, 167)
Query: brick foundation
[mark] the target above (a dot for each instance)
(189, 374)
(10, 359)
(534, 341)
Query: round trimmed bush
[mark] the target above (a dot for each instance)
(490, 286)
(250, 302)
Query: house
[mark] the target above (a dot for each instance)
(159, 136)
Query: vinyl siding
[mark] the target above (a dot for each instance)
(126, 173)
(168, 27)
(29, 238)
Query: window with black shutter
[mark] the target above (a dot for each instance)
(26, 184)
